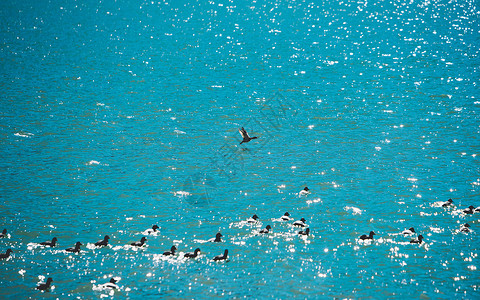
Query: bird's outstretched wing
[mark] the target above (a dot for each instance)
(244, 133)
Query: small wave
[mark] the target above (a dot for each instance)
(182, 193)
(173, 259)
(150, 232)
(354, 210)
(129, 247)
(179, 131)
(242, 224)
(316, 200)
(92, 246)
(24, 134)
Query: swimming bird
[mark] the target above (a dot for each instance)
(368, 237)
(447, 203)
(419, 240)
(52, 243)
(286, 217)
(470, 210)
(171, 252)
(6, 255)
(112, 284)
(266, 229)
(217, 239)
(305, 233)
(192, 254)
(409, 231)
(45, 286)
(221, 257)
(4, 233)
(305, 191)
(246, 137)
(139, 244)
(253, 219)
(103, 242)
(300, 223)
(465, 227)
(75, 249)
(153, 229)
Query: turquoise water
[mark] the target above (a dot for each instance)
(117, 116)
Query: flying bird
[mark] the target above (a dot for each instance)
(246, 137)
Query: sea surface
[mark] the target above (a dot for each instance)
(119, 115)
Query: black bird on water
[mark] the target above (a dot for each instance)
(470, 210)
(139, 244)
(192, 254)
(266, 229)
(6, 255)
(465, 227)
(246, 137)
(417, 241)
(75, 249)
(217, 239)
(449, 202)
(368, 237)
(286, 217)
(305, 233)
(112, 284)
(153, 229)
(45, 286)
(300, 223)
(221, 257)
(4, 233)
(253, 219)
(103, 242)
(53, 243)
(171, 252)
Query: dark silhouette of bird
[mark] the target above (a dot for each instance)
(447, 203)
(52, 243)
(139, 244)
(246, 137)
(419, 240)
(305, 233)
(368, 237)
(103, 242)
(221, 257)
(75, 249)
(4, 233)
(192, 254)
(45, 286)
(300, 223)
(470, 210)
(305, 191)
(286, 217)
(112, 284)
(266, 229)
(6, 254)
(465, 227)
(217, 239)
(409, 231)
(171, 252)
(253, 219)
(153, 229)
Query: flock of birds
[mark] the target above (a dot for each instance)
(105, 242)
(305, 232)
